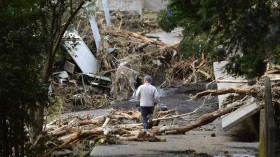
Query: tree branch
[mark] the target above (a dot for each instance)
(56, 46)
(204, 119)
(222, 91)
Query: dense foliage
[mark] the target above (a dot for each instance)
(30, 37)
(244, 32)
(20, 68)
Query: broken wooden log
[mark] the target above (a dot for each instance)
(80, 134)
(130, 126)
(136, 35)
(141, 46)
(58, 131)
(208, 76)
(141, 135)
(222, 91)
(92, 121)
(204, 119)
(134, 114)
(232, 81)
(145, 38)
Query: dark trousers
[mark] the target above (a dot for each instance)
(145, 111)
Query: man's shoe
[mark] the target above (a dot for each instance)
(150, 121)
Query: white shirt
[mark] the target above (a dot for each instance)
(147, 94)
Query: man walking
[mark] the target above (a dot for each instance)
(149, 97)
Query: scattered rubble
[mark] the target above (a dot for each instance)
(117, 126)
(126, 55)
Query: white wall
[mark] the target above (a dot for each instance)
(155, 4)
(126, 5)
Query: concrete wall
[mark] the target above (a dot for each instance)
(155, 4)
(127, 5)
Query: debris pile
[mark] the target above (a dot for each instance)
(125, 125)
(133, 22)
(81, 91)
(118, 125)
(125, 56)
(143, 56)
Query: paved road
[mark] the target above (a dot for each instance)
(194, 142)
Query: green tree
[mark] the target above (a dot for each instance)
(20, 67)
(55, 18)
(246, 32)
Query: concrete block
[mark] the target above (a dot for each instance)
(251, 106)
(69, 67)
(240, 114)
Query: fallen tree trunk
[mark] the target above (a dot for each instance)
(136, 35)
(232, 81)
(145, 38)
(181, 115)
(92, 121)
(58, 131)
(80, 134)
(130, 126)
(204, 119)
(204, 73)
(222, 91)
(141, 135)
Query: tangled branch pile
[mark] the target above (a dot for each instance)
(73, 94)
(142, 56)
(126, 55)
(117, 126)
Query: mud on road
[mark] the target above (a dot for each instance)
(208, 140)
(179, 98)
